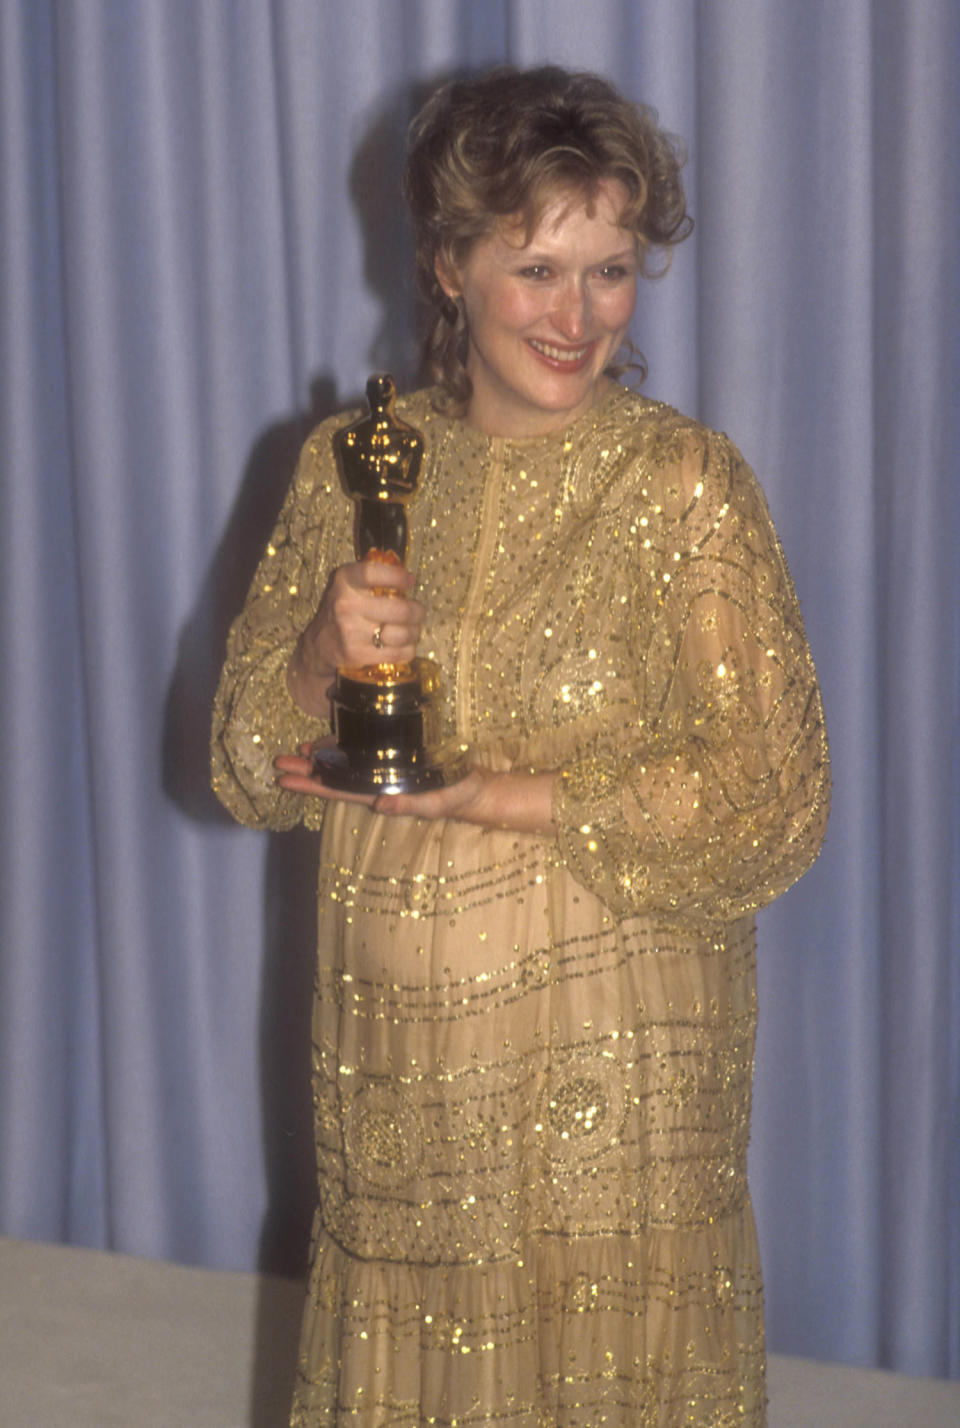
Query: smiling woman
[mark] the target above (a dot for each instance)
(533, 1029)
(496, 155)
(546, 314)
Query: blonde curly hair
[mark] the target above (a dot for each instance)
(502, 145)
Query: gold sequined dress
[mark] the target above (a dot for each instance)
(533, 1056)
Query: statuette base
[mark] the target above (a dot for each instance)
(386, 738)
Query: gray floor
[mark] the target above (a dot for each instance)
(91, 1340)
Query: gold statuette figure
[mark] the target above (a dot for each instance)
(385, 717)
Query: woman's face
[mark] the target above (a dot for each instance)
(544, 318)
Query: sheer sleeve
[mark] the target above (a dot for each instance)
(714, 799)
(254, 716)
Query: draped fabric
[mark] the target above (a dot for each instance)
(533, 1056)
(201, 251)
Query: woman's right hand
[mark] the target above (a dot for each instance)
(355, 625)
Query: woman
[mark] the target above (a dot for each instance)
(533, 1032)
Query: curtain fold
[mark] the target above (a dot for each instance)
(202, 250)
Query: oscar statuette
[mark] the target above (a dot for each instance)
(385, 716)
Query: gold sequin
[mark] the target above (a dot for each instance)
(532, 1057)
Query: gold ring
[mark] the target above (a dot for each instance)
(378, 638)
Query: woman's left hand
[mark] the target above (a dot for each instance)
(519, 801)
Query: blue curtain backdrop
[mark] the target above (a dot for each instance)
(200, 252)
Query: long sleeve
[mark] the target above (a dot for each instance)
(714, 799)
(254, 716)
